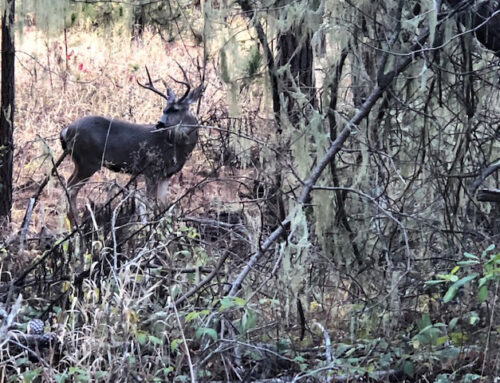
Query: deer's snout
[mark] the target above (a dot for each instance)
(163, 120)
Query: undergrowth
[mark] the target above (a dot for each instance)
(144, 296)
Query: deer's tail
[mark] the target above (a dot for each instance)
(62, 137)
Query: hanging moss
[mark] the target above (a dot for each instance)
(52, 16)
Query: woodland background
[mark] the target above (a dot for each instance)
(336, 222)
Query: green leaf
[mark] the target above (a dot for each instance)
(468, 263)
(408, 368)
(60, 378)
(174, 345)
(167, 370)
(441, 339)
(191, 316)
(470, 378)
(448, 353)
(450, 294)
(442, 378)
(22, 361)
(487, 250)
(184, 253)
(155, 340)
(496, 258)
(465, 280)
(428, 335)
(204, 374)
(229, 302)
(482, 294)
(195, 315)
(453, 323)
(483, 281)
(299, 359)
(249, 320)
(141, 338)
(76, 370)
(29, 375)
(473, 318)
(206, 331)
(448, 277)
(471, 256)
(458, 338)
(452, 291)
(424, 322)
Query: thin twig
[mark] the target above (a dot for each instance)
(202, 283)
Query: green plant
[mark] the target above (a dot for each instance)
(487, 269)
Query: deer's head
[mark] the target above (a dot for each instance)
(176, 111)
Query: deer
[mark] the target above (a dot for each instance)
(157, 151)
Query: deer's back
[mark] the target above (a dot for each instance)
(123, 146)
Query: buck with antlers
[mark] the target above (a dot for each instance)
(157, 151)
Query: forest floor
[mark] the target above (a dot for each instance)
(112, 307)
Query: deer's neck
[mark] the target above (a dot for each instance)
(178, 134)
(186, 134)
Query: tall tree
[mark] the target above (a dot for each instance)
(7, 110)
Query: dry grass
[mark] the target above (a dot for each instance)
(100, 78)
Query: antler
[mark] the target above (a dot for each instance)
(186, 84)
(150, 85)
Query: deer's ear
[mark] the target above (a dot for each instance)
(194, 95)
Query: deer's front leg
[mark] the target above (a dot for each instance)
(157, 189)
(162, 192)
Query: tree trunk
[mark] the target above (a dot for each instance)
(7, 110)
(295, 50)
(139, 24)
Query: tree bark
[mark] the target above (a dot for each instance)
(139, 24)
(295, 50)
(7, 110)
